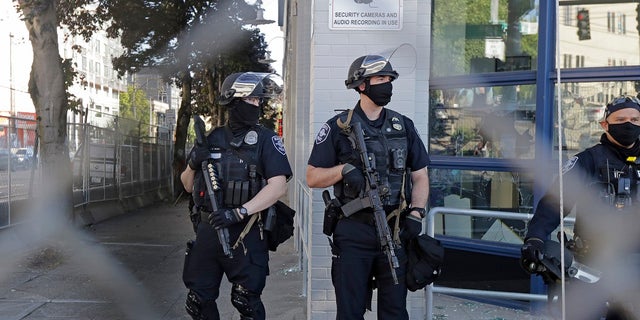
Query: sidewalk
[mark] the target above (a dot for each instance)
(130, 266)
(126, 267)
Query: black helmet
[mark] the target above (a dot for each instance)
(368, 66)
(250, 84)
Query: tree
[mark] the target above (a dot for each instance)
(195, 44)
(134, 111)
(48, 92)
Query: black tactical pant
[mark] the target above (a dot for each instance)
(206, 264)
(358, 258)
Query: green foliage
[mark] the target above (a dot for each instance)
(134, 104)
(134, 111)
(453, 51)
(205, 38)
(70, 74)
(173, 37)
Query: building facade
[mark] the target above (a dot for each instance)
(483, 92)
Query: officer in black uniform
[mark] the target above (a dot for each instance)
(400, 157)
(252, 169)
(602, 183)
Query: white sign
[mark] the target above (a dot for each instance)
(365, 14)
(170, 117)
(494, 48)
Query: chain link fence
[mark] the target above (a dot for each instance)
(112, 159)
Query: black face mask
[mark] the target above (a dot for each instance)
(625, 133)
(380, 94)
(243, 115)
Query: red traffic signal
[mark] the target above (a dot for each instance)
(584, 28)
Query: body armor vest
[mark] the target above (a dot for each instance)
(616, 183)
(236, 165)
(617, 180)
(388, 145)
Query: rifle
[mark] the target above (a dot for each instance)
(372, 198)
(210, 178)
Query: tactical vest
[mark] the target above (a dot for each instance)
(236, 163)
(617, 180)
(612, 175)
(389, 147)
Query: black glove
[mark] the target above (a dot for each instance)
(412, 228)
(353, 180)
(224, 218)
(531, 252)
(198, 155)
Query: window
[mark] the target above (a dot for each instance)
(482, 190)
(477, 42)
(567, 60)
(582, 112)
(487, 122)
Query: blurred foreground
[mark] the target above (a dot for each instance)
(126, 267)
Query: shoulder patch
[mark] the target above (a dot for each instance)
(569, 164)
(277, 143)
(323, 133)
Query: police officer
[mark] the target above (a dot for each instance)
(400, 157)
(602, 183)
(252, 169)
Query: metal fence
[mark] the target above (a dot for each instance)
(431, 289)
(110, 161)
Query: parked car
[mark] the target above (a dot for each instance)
(24, 158)
(8, 159)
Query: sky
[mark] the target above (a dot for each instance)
(273, 34)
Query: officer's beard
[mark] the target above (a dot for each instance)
(243, 116)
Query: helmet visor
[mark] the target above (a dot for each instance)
(257, 84)
(372, 64)
(245, 84)
(272, 84)
(403, 58)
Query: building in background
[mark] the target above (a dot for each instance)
(98, 85)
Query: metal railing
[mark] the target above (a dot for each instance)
(120, 160)
(430, 289)
(112, 164)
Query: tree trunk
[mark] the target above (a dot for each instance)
(47, 90)
(179, 151)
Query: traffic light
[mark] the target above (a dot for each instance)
(584, 30)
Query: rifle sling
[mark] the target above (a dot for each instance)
(244, 232)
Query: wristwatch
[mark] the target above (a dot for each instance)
(421, 211)
(242, 212)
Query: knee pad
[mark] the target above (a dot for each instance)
(244, 301)
(201, 310)
(194, 306)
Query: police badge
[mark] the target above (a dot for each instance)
(251, 138)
